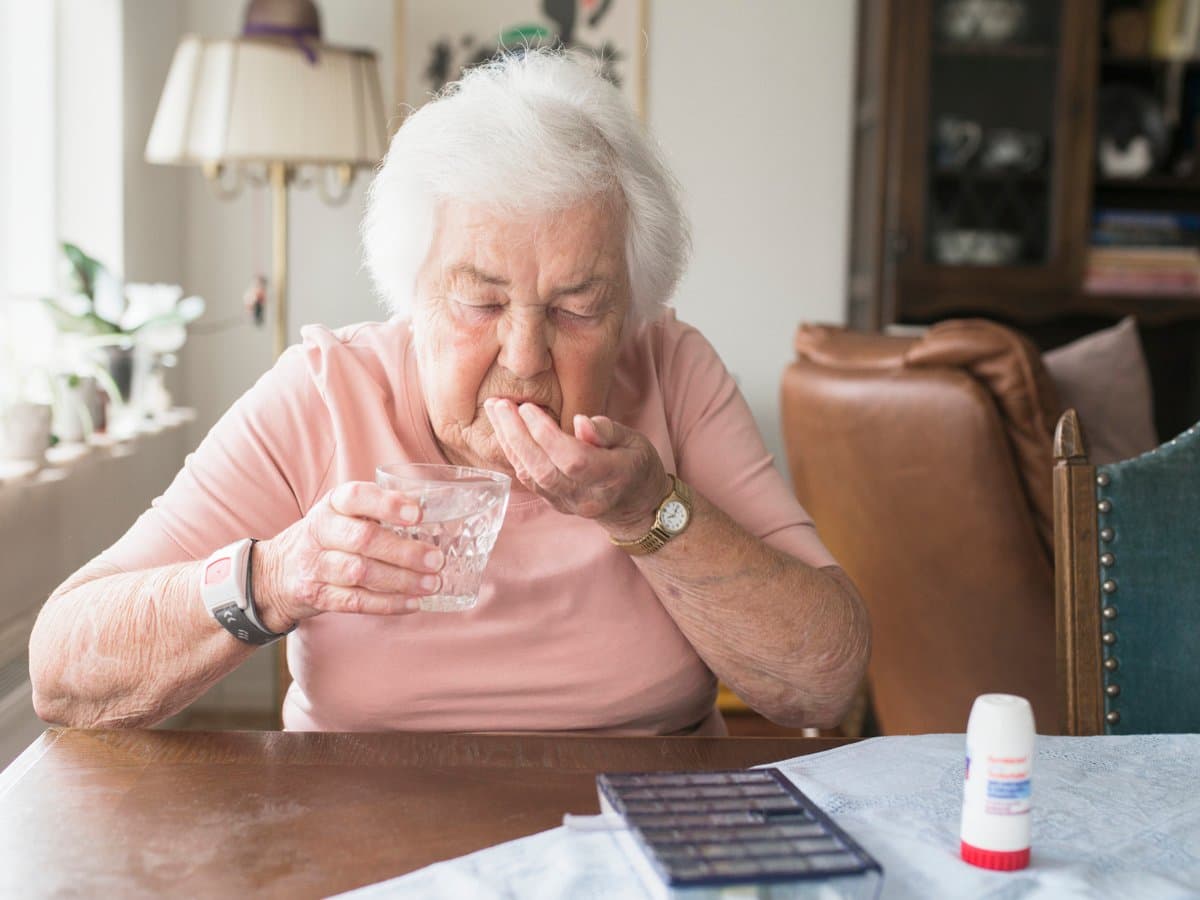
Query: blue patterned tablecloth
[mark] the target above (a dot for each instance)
(1113, 817)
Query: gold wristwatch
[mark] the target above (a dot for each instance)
(672, 519)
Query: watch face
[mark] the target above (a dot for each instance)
(674, 516)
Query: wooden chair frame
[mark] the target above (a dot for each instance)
(1077, 582)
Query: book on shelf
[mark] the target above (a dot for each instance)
(1183, 258)
(1143, 270)
(1142, 228)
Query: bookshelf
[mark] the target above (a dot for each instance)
(966, 147)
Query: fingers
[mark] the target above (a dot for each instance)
(348, 570)
(335, 598)
(367, 500)
(570, 456)
(525, 450)
(362, 537)
(599, 431)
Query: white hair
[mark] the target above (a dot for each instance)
(525, 134)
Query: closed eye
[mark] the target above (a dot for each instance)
(480, 308)
(569, 316)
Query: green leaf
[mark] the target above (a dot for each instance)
(84, 268)
(70, 323)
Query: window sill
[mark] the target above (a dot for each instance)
(64, 459)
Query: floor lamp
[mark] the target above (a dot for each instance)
(274, 107)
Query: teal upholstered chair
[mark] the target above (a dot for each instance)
(1127, 586)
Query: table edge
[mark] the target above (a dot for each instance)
(28, 758)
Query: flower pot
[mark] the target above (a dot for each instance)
(77, 408)
(25, 432)
(119, 362)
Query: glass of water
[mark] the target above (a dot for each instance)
(461, 513)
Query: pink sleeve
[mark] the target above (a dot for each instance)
(255, 473)
(720, 452)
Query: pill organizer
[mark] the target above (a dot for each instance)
(746, 833)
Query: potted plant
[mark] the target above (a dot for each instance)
(133, 326)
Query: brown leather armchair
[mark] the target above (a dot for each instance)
(926, 464)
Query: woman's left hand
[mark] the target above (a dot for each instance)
(606, 472)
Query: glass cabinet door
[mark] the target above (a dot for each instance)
(990, 132)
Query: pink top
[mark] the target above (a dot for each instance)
(567, 634)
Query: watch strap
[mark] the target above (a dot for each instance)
(225, 586)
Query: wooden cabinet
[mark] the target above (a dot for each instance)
(978, 154)
(975, 180)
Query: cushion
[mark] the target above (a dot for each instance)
(1103, 376)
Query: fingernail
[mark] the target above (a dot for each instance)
(410, 513)
(412, 603)
(430, 582)
(434, 560)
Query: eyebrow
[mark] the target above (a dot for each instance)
(469, 271)
(578, 288)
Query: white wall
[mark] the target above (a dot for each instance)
(154, 213)
(752, 103)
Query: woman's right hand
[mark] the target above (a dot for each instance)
(339, 558)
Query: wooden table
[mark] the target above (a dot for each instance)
(223, 814)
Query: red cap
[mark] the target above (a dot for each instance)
(1003, 860)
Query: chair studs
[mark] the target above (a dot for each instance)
(1107, 559)
(1111, 664)
(1109, 612)
(1113, 690)
(1109, 637)
(1107, 534)
(1102, 479)
(1112, 718)
(1104, 506)
(1109, 586)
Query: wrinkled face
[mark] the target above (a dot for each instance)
(529, 309)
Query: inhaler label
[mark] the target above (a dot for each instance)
(1008, 790)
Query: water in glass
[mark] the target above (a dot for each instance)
(461, 513)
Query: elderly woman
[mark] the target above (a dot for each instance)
(527, 236)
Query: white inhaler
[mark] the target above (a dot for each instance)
(996, 790)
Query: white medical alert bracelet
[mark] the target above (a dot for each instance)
(227, 594)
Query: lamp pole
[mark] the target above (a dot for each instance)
(280, 175)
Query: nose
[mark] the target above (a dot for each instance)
(525, 344)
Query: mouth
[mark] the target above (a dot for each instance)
(517, 401)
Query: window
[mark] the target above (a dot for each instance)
(60, 163)
(27, 148)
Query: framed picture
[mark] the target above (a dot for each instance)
(436, 41)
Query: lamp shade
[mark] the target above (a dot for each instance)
(259, 100)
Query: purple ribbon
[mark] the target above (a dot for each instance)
(298, 35)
